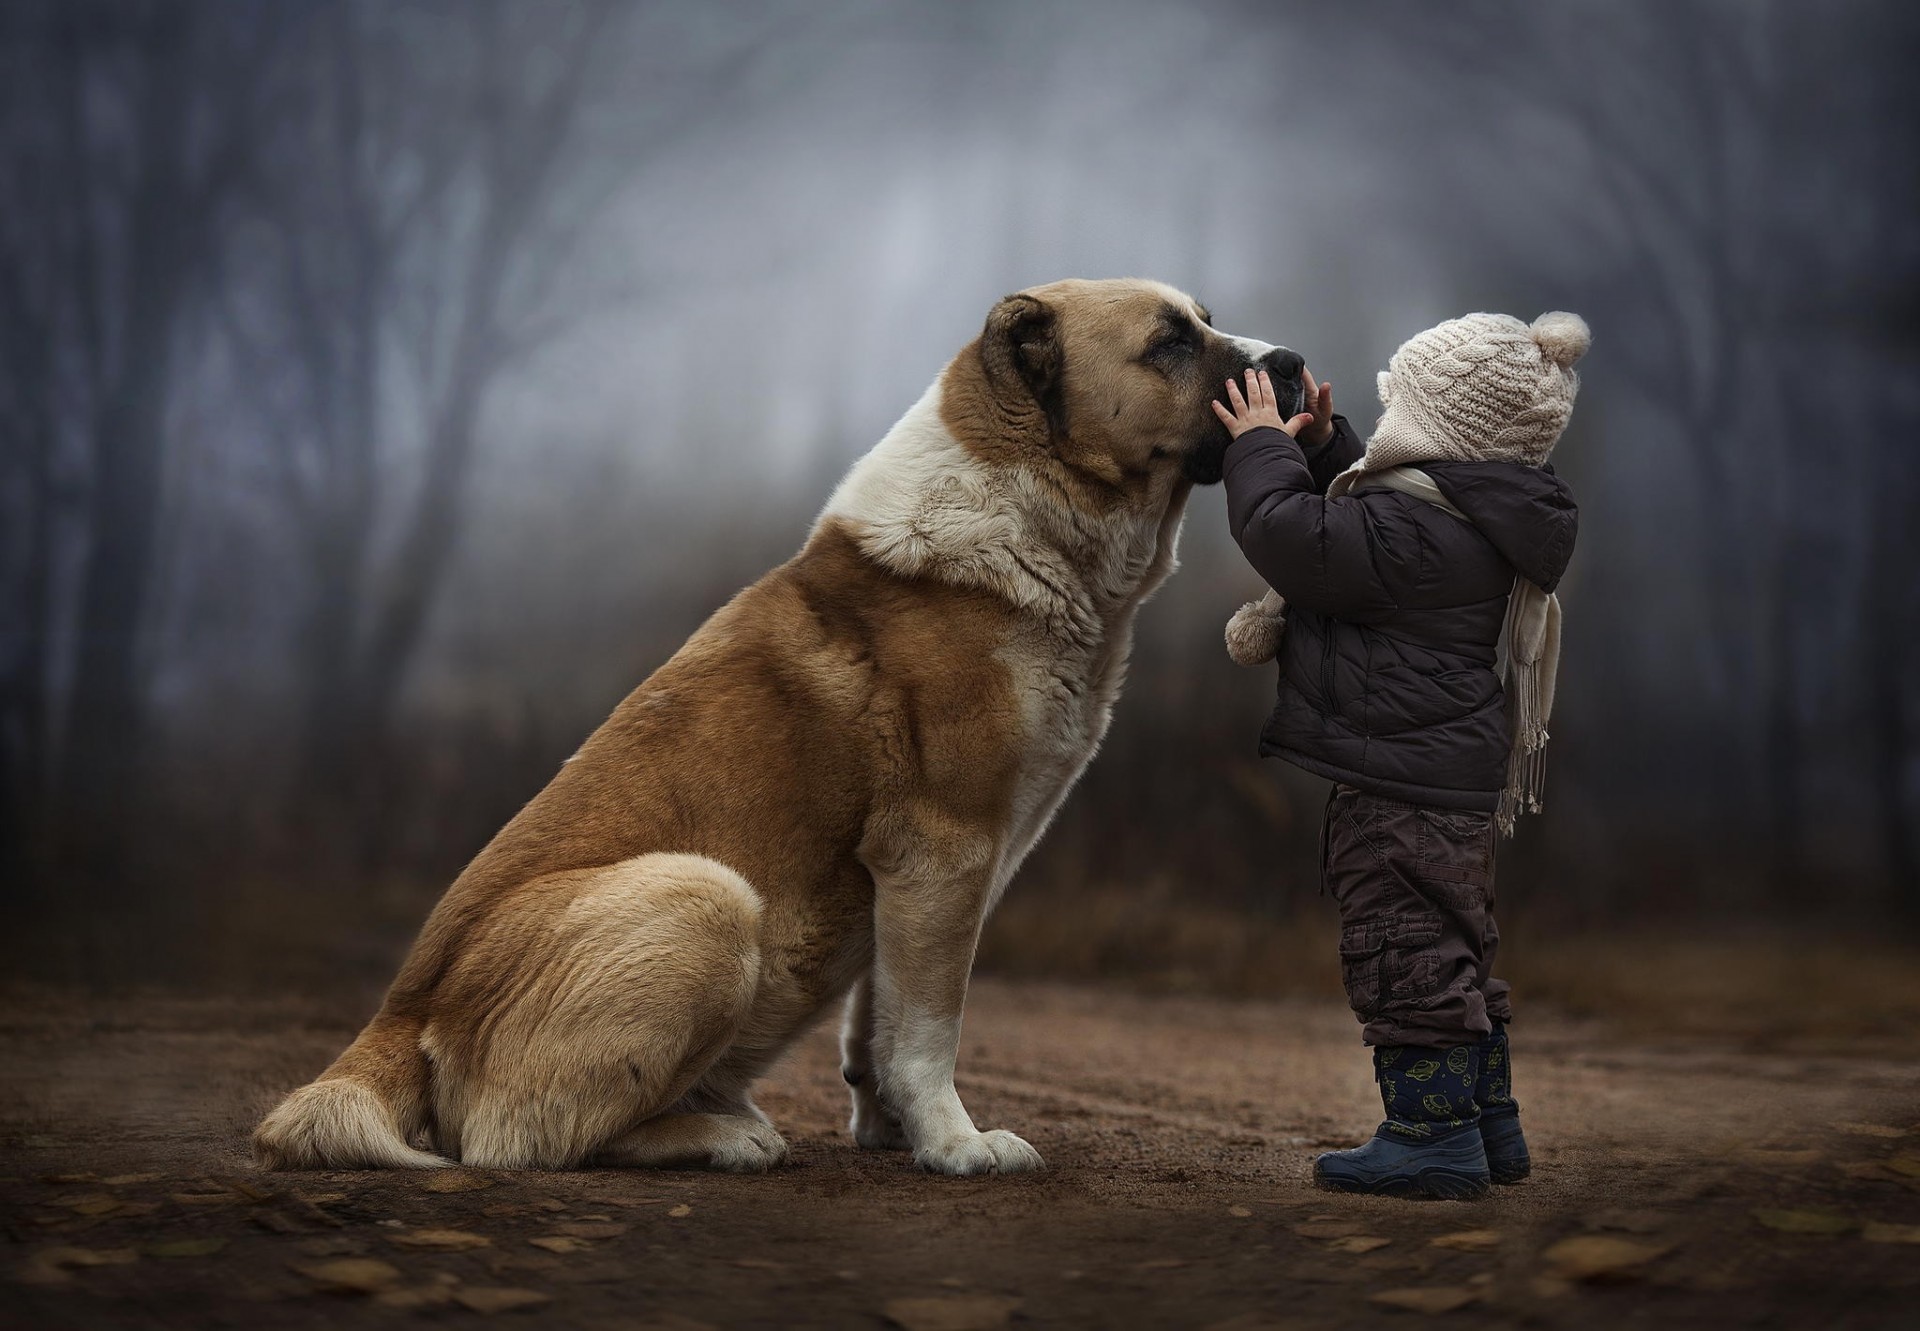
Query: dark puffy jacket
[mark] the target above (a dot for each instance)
(1394, 607)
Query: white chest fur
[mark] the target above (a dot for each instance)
(922, 505)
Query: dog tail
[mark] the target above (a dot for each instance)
(362, 1110)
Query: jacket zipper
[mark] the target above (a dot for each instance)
(1326, 667)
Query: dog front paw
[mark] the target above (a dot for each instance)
(979, 1153)
(876, 1130)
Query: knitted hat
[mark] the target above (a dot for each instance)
(1481, 388)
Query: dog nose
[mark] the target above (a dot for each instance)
(1283, 364)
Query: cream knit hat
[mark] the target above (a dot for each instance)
(1480, 388)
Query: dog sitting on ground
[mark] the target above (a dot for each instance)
(821, 795)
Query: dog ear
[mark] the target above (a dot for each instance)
(1021, 350)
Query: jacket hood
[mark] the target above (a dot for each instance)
(1527, 512)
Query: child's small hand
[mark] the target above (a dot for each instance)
(1319, 401)
(1259, 407)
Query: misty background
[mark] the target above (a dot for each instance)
(385, 389)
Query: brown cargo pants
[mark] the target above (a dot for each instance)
(1417, 938)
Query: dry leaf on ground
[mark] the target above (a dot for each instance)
(1359, 1243)
(87, 1203)
(1329, 1229)
(352, 1275)
(1780, 1158)
(1805, 1222)
(50, 1266)
(1468, 1240)
(1239, 1211)
(1876, 1232)
(561, 1243)
(442, 1240)
(591, 1229)
(1433, 1300)
(1601, 1257)
(962, 1312)
(455, 1180)
(680, 1211)
(498, 1299)
(173, 1248)
(415, 1296)
(1868, 1129)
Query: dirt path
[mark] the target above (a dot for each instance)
(1177, 1133)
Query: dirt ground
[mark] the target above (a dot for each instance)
(1685, 1183)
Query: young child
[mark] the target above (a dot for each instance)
(1416, 671)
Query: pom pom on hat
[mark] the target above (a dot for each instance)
(1563, 337)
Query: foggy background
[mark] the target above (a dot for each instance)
(385, 389)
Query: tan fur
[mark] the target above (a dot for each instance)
(821, 794)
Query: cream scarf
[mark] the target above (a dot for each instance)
(1527, 660)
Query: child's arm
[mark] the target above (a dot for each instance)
(1315, 552)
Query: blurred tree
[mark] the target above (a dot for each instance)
(123, 151)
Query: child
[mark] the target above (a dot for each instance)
(1416, 671)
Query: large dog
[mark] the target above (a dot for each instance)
(821, 795)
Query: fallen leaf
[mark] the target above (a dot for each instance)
(173, 1248)
(98, 1206)
(1434, 1299)
(352, 1275)
(126, 1180)
(549, 1204)
(333, 1245)
(1805, 1222)
(498, 1299)
(455, 1180)
(560, 1243)
(278, 1222)
(248, 1189)
(588, 1229)
(1868, 1129)
(681, 1210)
(1468, 1240)
(415, 1296)
(1358, 1243)
(1876, 1232)
(1626, 1219)
(1601, 1257)
(441, 1240)
(87, 1256)
(321, 1198)
(1242, 1212)
(1329, 1229)
(597, 1217)
(1905, 1164)
(969, 1312)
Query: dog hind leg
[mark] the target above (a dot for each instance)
(637, 981)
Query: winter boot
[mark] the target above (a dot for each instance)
(1506, 1145)
(1430, 1144)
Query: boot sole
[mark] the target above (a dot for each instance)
(1506, 1176)
(1428, 1185)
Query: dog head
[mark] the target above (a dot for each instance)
(1115, 380)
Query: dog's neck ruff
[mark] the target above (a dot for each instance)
(922, 506)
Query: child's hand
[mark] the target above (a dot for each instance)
(1259, 407)
(1319, 401)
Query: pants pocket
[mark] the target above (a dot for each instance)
(1388, 959)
